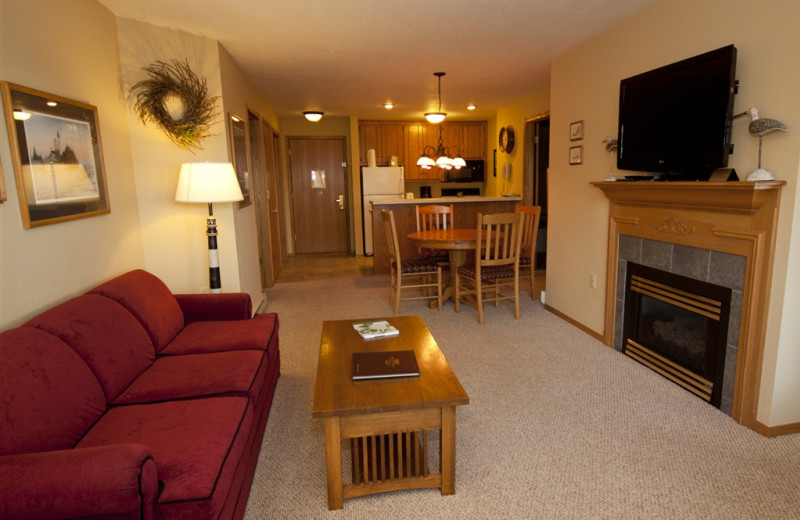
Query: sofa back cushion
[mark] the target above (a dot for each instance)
(150, 300)
(108, 338)
(49, 397)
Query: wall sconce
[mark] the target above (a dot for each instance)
(318, 181)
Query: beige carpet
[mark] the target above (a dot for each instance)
(558, 426)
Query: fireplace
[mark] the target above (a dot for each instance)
(678, 327)
(718, 229)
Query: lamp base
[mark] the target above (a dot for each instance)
(760, 175)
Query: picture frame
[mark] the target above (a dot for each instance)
(576, 130)
(239, 157)
(2, 185)
(576, 154)
(57, 155)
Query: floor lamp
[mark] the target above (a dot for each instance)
(208, 182)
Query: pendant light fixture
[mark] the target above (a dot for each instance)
(437, 117)
(442, 159)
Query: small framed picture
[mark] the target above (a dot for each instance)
(576, 155)
(576, 131)
(57, 155)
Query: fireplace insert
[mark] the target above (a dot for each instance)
(677, 326)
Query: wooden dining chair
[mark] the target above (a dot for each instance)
(494, 275)
(418, 274)
(434, 216)
(527, 254)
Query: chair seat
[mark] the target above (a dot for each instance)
(417, 265)
(487, 273)
(437, 255)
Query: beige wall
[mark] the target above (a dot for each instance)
(514, 115)
(43, 266)
(239, 95)
(175, 245)
(585, 86)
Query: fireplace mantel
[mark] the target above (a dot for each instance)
(732, 217)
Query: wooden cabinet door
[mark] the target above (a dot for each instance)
(418, 136)
(386, 138)
(474, 141)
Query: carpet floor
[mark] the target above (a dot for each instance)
(558, 427)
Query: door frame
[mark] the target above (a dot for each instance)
(348, 191)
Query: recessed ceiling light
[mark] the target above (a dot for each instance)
(471, 107)
(52, 104)
(21, 115)
(388, 106)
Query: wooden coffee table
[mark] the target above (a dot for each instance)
(386, 420)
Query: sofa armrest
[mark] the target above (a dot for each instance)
(85, 482)
(215, 307)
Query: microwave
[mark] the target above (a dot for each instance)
(472, 172)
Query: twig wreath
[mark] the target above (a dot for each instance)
(175, 82)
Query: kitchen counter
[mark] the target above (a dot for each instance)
(465, 215)
(451, 200)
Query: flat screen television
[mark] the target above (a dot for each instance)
(675, 121)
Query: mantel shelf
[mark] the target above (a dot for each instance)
(704, 196)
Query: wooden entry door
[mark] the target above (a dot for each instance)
(320, 214)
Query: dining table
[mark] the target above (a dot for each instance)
(456, 241)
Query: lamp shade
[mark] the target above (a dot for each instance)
(208, 182)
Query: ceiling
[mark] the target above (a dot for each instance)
(349, 57)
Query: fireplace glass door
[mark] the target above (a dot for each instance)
(677, 326)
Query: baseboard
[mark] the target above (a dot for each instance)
(261, 303)
(776, 431)
(574, 323)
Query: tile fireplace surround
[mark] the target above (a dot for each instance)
(736, 218)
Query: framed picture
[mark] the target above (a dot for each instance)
(576, 131)
(57, 156)
(576, 155)
(238, 129)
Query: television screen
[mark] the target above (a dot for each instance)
(676, 120)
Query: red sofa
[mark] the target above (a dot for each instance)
(131, 402)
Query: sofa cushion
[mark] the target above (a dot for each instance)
(150, 300)
(108, 337)
(48, 395)
(218, 336)
(196, 444)
(198, 375)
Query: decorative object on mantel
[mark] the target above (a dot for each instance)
(176, 99)
(761, 127)
(611, 148)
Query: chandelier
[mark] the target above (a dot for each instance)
(443, 160)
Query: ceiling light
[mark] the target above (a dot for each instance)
(471, 107)
(52, 103)
(388, 106)
(437, 117)
(21, 115)
(313, 115)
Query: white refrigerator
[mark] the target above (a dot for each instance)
(378, 182)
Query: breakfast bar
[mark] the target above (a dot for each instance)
(465, 213)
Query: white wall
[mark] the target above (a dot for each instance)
(585, 86)
(70, 51)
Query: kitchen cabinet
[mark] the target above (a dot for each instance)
(387, 138)
(418, 136)
(407, 140)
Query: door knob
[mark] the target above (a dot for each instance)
(340, 200)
